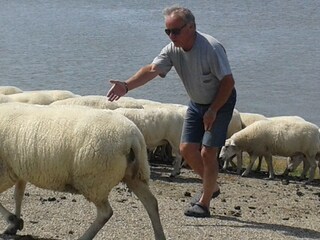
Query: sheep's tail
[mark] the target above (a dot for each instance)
(138, 161)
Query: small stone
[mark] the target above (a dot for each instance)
(187, 194)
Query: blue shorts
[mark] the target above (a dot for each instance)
(193, 128)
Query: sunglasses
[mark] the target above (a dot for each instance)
(174, 31)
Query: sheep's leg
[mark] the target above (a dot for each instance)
(249, 167)
(15, 222)
(239, 162)
(150, 203)
(20, 187)
(268, 159)
(176, 164)
(306, 167)
(104, 213)
(258, 169)
(227, 162)
(313, 166)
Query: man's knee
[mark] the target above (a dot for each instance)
(187, 149)
(209, 153)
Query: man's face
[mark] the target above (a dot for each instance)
(178, 31)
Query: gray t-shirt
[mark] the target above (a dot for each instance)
(200, 69)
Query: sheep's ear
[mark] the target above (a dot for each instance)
(232, 143)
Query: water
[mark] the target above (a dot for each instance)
(273, 47)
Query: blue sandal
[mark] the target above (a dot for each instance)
(198, 211)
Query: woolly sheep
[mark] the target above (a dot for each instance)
(73, 149)
(275, 137)
(7, 90)
(32, 98)
(164, 148)
(158, 126)
(235, 125)
(249, 118)
(246, 120)
(4, 98)
(42, 97)
(285, 118)
(294, 161)
(58, 94)
(97, 101)
(138, 100)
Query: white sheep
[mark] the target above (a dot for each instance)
(57, 94)
(246, 119)
(249, 118)
(141, 101)
(158, 126)
(7, 90)
(73, 149)
(97, 101)
(289, 118)
(42, 97)
(275, 137)
(235, 125)
(294, 161)
(32, 97)
(4, 98)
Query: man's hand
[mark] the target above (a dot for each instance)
(118, 90)
(208, 119)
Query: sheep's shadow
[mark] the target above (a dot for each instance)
(23, 237)
(295, 232)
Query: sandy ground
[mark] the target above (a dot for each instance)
(248, 208)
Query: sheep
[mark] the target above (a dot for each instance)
(42, 97)
(275, 137)
(7, 90)
(148, 105)
(57, 94)
(73, 149)
(249, 118)
(32, 98)
(158, 126)
(246, 119)
(97, 101)
(5, 98)
(294, 161)
(138, 100)
(235, 125)
(290, 118)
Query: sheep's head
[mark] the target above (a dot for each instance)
(229, 150)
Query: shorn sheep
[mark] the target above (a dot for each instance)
(275, 137)
(73, 149)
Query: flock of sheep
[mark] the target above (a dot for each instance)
(61, 141)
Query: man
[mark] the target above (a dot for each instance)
(201, 63)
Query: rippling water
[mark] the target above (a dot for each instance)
(273, 47)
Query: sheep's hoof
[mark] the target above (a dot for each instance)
(244, 174)
(175, 174)
(15, 225)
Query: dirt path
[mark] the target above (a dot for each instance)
(248, 208)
